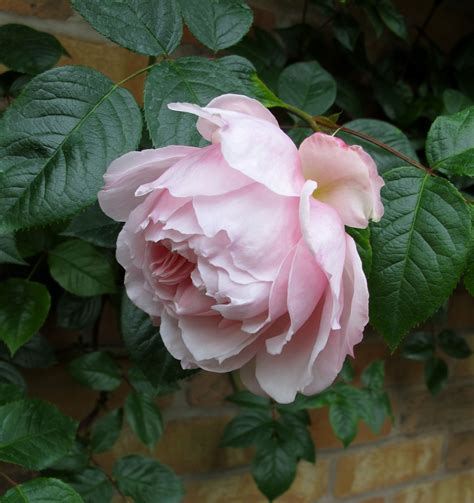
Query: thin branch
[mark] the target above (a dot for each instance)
(316, 125)
(8, 479)
(110, 478)
(386, 147)
(88, 420)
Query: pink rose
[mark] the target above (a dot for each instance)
(244, 263)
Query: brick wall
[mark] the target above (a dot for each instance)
(425, 456)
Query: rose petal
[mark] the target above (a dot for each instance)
(347, 178)
(355, 317)
(117, 199)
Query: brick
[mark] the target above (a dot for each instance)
(310, 484)
(454, 489)
(421, 412)
(379, 499)
(324, 438)
(460, 454)
(387, 465)
(113, 61)
(188, 445)
(46, 9)
(208, 389)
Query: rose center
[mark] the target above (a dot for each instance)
(168, 267)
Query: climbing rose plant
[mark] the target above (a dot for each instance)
(260, 236)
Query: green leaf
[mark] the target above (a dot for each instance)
(92, 484)
(24, 306)
(77, 313)
(9, 253)
(266, 52)
(143, 416)
(96, 370)
(248, 400)
(377, 410)
(37, 353)
(455, 101)
(194, 80)
(10, 393)
(364, 248)
(81, 269)
(343, 416)
(56, 140)
(347, 372)
(142, 384)
(454, 345)
(217, 24)
(95, 227)
(143, 341)
(450, 143)
(10, 375)
(392, 19)
(76, 460)
(147, 27)
(34, 434)
(308, 86)
(247, 428)
(147, 481)
(418, 346)
(297, 438)
(252, 86)
(373, 375)
(42, 490)
(384, 132)
(436, 375)
(273, 468)
(419, 248)
(26, 50)
(346, 31)
(106, 431)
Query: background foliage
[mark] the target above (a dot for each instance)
(410, 106)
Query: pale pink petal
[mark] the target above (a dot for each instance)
(306, 285)
(205, 340)
(354, 318)
(173, 340)
(347, 178)
(324, 234)
(205, 172)
(255, 147)
(122, 178)
(253, 218)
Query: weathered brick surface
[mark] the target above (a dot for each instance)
(310, 485)
(208, 390)
(46, 9)
(452, 408)
(378, 499)
(460, 454)
(455, 489)
(387, 465)
(188, 445)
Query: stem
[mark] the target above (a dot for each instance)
(111, 479)
(315, 125)
(386, 147)
(8, 479)
(35, 266)
(88, 421)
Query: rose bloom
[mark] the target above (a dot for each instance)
(238, 249)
